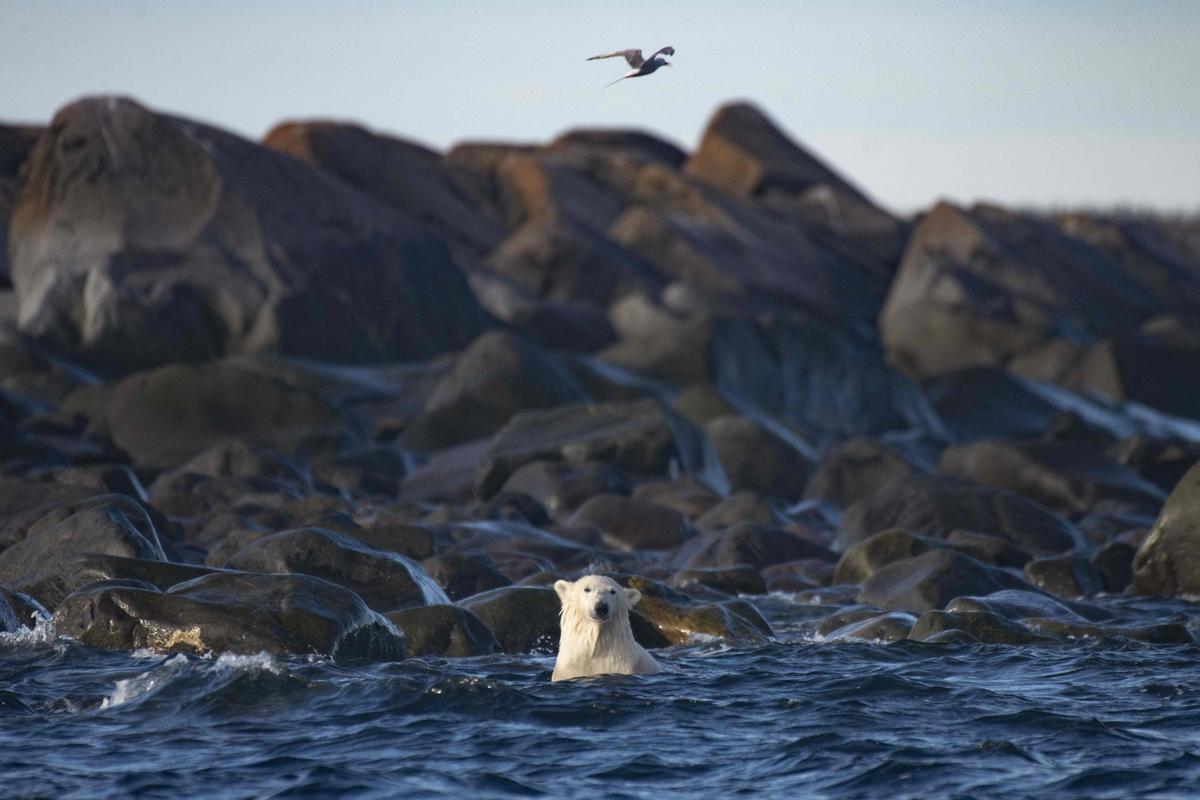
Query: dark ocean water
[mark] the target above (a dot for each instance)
(797, 718)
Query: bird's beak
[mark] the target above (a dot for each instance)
(668, 63)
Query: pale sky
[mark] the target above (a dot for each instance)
(1024, 102)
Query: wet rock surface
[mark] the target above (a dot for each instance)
(231, 612)
(253, 396)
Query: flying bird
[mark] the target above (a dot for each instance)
(638, 66)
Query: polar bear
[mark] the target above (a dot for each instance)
(596, 638)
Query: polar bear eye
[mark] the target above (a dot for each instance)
(587, 588)
(612, 591)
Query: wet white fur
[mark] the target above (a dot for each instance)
(589, 646)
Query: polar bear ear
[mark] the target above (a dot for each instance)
(562, 587)
(632, 596)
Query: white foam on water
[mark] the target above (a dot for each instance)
(255, 661)
(129, 689)
(42, 632)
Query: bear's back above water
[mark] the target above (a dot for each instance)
(596, 638)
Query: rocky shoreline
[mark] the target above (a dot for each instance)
(335, 393)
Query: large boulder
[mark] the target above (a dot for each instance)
(499, 375)
(61, 576)
(523, 618)
(681, 619)
(442, 630)
(756, 545)
(461, 576)
(757, 459)
(864, 559)
(628, 524)
(1062, 476)
(112, 525)
(743, 153)
(16, 143)
(441, 196)
(931, 580)
(816, 378)
(936, 506)
(989, 287)
(385, 580)
(231, 612)
(561, 487)
(169, 415)
(1168, 562)
(140, 239)
(641, 436)
(854, 470)
(24, 502)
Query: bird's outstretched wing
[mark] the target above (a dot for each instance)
(634, 57)
(668, 50)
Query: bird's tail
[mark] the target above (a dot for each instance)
(618, 80)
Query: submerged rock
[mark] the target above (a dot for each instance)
(980, 625)
(234, 612)
(1017, 604)
(890, 627)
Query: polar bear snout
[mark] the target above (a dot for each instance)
(602, 611)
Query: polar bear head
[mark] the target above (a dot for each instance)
(596, 598)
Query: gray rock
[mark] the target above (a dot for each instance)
(497, 376)
(734, 580)
(886, 547)
(1067, 576)
(166, 416)
(1016, 604)
(756, 459)
(386, 581)
(755, 545)
(1063, 476)
(936, 506)
(106, 525)
(59, 577)
(1168, 562)
(891, 627)
(642, 437)
(461, 577)
(447, 631)
(855, 470)
(980, 625)
(929, 581)
(141, 239)
(628, 524)
(232, 612)
(523, 618)
(562, 487)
